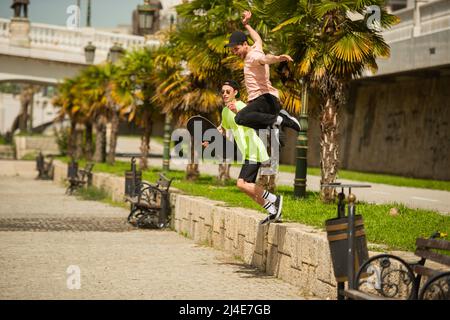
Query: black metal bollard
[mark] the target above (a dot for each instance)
(72, 170)
(40, 165)
(351, 241)
(346, 236)
(164, 213)
(341, 214)
(133, 179)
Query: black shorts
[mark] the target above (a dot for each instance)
(259, 113)
(249, 171)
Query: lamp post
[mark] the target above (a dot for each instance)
(302, 146)
(79, 13)
(146, 17)
(88, 15)
(115, 52)
(89, 53)
(172, 21)
(166, 153)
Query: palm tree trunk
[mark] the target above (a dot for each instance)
(267, 182)
(23, 115)
(192, 172)
(88, 148)
(104, 142)
(100, 140)
(145, 143)
(113, 138)
(79, 133)
(224, 172)
(267, 176)
(329, 149)
(71, 139)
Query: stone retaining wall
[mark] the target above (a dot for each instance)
(29, 144)
(293, 252)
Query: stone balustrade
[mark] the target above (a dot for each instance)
(71, 42)
(44, 35)
(4, 28)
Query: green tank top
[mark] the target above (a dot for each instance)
(248, 142)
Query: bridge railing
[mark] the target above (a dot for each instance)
(60, 38)
(45, 35)
(434, 17)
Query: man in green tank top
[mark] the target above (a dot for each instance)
(253, 151)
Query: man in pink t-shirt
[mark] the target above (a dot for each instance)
(263, 109)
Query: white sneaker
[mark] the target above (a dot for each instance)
(290, 121)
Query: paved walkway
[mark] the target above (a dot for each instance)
(43, 232)
(379, 193)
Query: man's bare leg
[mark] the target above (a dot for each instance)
(252, 190)
(270, 202)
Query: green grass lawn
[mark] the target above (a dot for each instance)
(379, 178)
(2, 140)
(396, 232)
(365, 177)
(95, 194)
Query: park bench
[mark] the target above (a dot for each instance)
(388, 277)
(45, 169)
(385, 276)
(150, 206)
(81, 178)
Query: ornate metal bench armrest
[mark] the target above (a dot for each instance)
(388, 277)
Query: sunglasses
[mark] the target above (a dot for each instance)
(226, 91)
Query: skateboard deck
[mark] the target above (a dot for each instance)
(201, 129)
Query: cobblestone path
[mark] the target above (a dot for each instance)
(46, 235)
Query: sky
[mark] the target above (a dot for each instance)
(104, 13)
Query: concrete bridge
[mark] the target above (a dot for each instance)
(420, 41)
(45, 54)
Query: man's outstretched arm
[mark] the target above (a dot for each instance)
(271, 59)
(252, 32)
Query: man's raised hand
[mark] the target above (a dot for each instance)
(246, 17)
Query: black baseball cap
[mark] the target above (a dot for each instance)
(234, 85)
(237, 37)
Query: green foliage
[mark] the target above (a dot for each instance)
(92, 193)
(11, 88)
(30, 156)
(62, 139)
(96, 194)
(3, 140)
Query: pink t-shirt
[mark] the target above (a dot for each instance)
(257, 75)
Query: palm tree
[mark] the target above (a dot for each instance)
(134, 92)
(95, 80)
(68, 100)
(329, 49)
(198, 42)
(26, 98)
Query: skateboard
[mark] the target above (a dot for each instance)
(201, 129)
